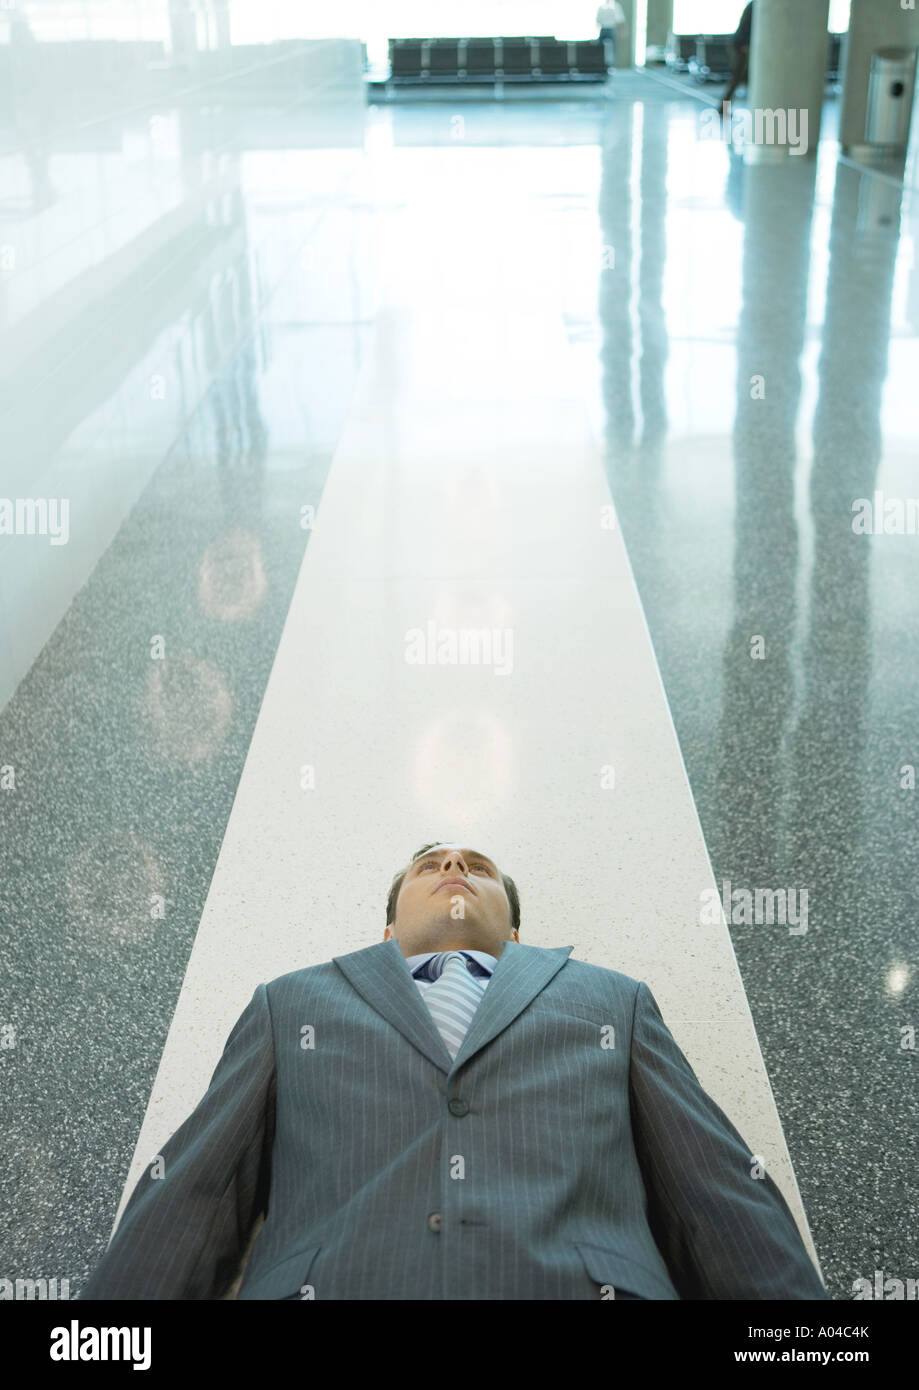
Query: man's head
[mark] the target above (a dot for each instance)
(452, 898)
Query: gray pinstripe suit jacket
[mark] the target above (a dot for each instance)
(544, 1163)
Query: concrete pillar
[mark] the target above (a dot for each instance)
(660, 22)
(625, 37)
(788, 53)
(221, 10)
(871, 26)
(183, 34)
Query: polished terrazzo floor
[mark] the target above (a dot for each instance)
(735, 508)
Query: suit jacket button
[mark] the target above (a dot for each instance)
(434, 1221)
(458, 1107)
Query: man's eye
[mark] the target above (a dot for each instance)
(476, 864)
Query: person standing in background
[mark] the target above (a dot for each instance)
(610, 18)
(741, 46)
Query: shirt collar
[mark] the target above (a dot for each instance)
(486, 962)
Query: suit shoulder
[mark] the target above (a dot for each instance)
(599, 976)
(307, 977)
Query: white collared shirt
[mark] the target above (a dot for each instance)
(486, 961)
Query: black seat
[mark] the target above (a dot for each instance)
(553, 57)
(443, 58)
(480, 58)
(405, 58)
(516, 57)
(589, 58)
(681, 48)
(713, 57)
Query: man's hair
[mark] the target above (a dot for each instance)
(510, 888)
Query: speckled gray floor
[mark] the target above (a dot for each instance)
(125, 776)
(794, 761)
(736, 514)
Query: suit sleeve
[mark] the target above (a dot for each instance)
(183, 1235)
(723, 1233)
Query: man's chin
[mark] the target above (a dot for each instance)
(444, 934)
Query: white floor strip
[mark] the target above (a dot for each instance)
(468, 492)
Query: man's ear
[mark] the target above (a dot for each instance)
(387, 933)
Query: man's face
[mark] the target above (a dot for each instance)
(452, 899)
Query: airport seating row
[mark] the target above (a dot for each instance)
(515, 59)
(709, 57)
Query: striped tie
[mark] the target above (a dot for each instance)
(453, 998)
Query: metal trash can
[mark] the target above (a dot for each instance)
(890, 97)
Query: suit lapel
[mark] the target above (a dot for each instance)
(521, 972)
(381, 976)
